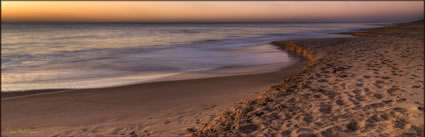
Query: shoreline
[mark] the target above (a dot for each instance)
(160, 108)
(229, 71)
(328, 97)
(180, 77)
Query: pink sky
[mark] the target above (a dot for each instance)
(185, 11)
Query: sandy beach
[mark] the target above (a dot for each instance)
(149, 109)
(368, 86)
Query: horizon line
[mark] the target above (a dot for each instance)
(198, 22)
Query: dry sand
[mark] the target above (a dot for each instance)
(368, 86)
(154, 109)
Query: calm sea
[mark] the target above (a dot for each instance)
(78, 55)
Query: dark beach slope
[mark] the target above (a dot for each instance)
(371, 85)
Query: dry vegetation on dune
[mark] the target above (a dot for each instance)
(364, 86)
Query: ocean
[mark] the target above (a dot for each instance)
(91, 55)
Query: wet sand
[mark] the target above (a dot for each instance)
(154, 109)
(368, 86)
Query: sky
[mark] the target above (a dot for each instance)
(208, 11)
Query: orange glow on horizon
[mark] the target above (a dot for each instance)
(204, 11)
